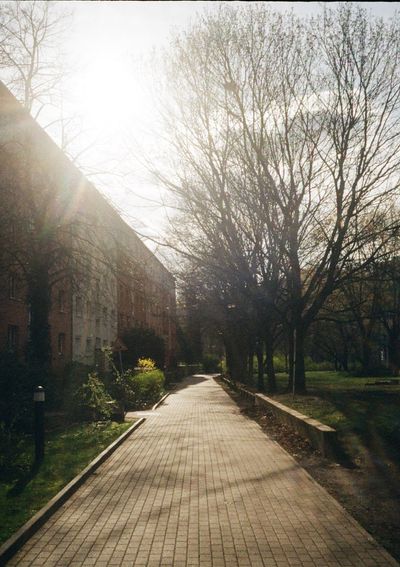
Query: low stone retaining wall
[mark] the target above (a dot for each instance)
(321, 437)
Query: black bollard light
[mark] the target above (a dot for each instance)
(38, 398)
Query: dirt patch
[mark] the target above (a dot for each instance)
(367, 486)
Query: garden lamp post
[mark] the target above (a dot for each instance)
(38, 399)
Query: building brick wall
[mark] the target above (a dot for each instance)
(111, 281)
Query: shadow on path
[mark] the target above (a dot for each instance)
(187, 382)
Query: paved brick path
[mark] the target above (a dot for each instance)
(200, 485)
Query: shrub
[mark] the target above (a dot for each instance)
(146, 388)
(146, 364)
(211, 363)
(74, 376)
(279, 363)
(92, 400)
(120, 387)
(311, 365)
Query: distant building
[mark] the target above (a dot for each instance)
(107, 281)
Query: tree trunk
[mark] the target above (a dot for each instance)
(260, 367)
(290, 358)
(228, 355)
(250, 367)
(39, 299)
(237, 358)
(239, 365)
(345, 359)
(298, 372)
(269, 356)
(366, 356)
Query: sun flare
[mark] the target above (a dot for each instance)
(106, 92)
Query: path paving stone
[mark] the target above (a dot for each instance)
(201, 485)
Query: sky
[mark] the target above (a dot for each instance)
(108, 46)
(109, 90)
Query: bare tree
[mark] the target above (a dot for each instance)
(287, 135)
(33, 68)
(354, 311)
(30, 41)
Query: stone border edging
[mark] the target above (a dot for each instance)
(160, 402)
(15, 542)
(322, 437)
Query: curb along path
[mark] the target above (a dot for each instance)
(201, 485)
(15, 542)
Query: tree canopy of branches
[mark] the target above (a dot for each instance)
(359, 323)
(30, 39)
(286, 137)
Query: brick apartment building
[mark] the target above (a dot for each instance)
(104, 280)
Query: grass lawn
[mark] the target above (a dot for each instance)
(369, 414)
(24, 491)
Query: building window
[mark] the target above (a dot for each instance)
(88, 309)
(88, 344)
(61, 344)
(11, 287)
(105, 343)
(61, 301)
(98, 343)
(78, 307)
(97, 323)
(12, 338)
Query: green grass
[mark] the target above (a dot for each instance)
(23, 490)
(370, 413)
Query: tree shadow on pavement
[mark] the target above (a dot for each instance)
(187, 382)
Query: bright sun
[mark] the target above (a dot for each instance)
(106, 93)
